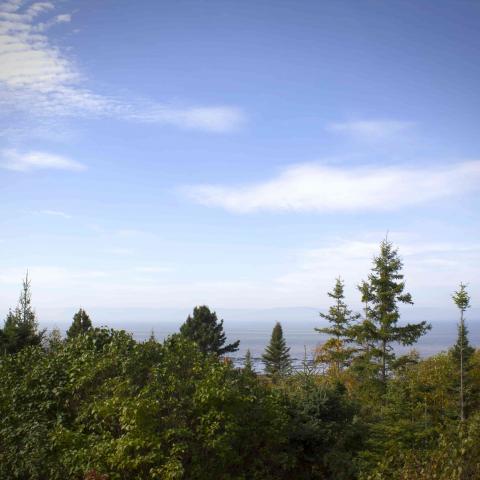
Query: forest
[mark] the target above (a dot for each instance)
(95, 404)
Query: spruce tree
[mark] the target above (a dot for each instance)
(206, 331)
(335, 351)
(462, 351)
(276, 357)
(248, 363)
(81, 324)
(152, 338)
(20, 327)
(382, 295)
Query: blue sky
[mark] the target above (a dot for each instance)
(239, 154)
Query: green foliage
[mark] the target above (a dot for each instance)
(81, 324)
(54, 339)
(462, 347)
(206, 331)
(20, 328)
(462, 351)
(325, 431)
(411, 411)
(102, 406)
(455, 456)
(276, 357)
(103, 403)
(248, 363)
(382, 294)
(461, 298)
(336, 352)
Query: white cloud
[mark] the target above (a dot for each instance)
(214, 119)
(28, 58)
(371, 130)
(38, 78)
(55, 213)
(313, 187)
(30, 161)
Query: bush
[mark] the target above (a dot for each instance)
(103, 403)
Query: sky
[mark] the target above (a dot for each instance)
(237, 154)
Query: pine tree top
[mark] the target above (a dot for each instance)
(276, 357)
(248, 363)
(339, 315)
(461, 298)
(81, 323)
(204, 328)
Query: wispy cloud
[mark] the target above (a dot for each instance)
(313, 187)
(214, 119)
(371, 130)
(40, 79)
(30, 161)
(49, 275)
(153, 269)
(432, 269)
(55, 213)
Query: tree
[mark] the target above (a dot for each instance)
(136, 410)
(206, 331)
(20, 327)
(324, 432)
(81, 324)
(248, 364)
(152, 337)
(382, 294)
(277, 355)
(335, 351)
(363, 332)
(462, 351)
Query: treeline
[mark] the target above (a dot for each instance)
(98, 405)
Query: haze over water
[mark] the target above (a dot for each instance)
(253, 327)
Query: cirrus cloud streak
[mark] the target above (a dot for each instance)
(38, 78)
(318, 188)
(35, 160)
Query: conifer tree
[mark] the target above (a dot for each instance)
(20, 327)
(152, 338)
(335, 351)
(276, 357)
(382, 294)
(81, 324)
(462, 351)
(206, 331)
(248, 363)
(367, 297)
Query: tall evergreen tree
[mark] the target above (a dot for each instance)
(20, 327)
(462, 351)
(276, 357)
(336, 350)
(81, 324)
(382, 294)
(365, 331)
(206, 331)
